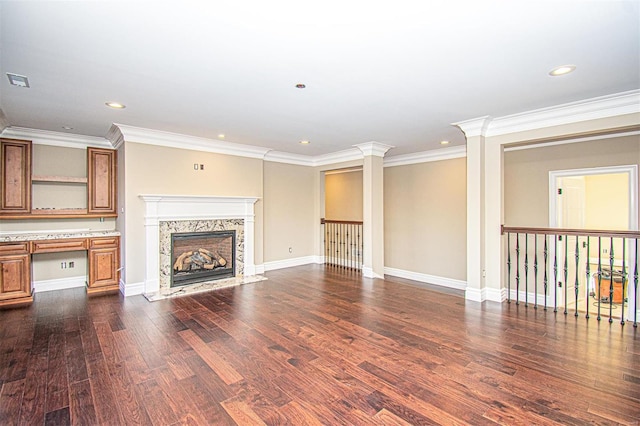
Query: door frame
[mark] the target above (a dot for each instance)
(632, 173)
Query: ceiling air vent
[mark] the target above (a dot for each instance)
(18, 80)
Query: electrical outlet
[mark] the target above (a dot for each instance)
(195, 166)
(72, 264)
(290, 249)
(63, 265)
(201, 166)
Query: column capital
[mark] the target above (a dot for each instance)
(475, 126)
(374, 148)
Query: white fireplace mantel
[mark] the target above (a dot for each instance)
(160, 208)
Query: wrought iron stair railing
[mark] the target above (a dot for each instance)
(539, 260)
(343, 243)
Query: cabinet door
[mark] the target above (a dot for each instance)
(16, 176)
(101, 177)
(103, 269)
(15, 277)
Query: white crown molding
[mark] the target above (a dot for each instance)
(314, 161)
(176, 140)
(4, 123)
(475, 126)
(337, 157)
(374, 148)
(591, 109)
(572, 140)
(115, 136)
(608, 106)
(285, 157)
(448, 153)
(46, 137)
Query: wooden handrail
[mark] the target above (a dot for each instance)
(348, 222)
(565, 231)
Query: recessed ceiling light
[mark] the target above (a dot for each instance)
(18, 80)
(301, 86)
(564, 69)
(67, 127)
(115, 105)
(305, 142)
(221, 136)
(444, 142)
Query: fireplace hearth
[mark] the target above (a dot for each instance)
(202, 256)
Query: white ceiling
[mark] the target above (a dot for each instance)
(396, 72)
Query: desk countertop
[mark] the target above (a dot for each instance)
(55, 235)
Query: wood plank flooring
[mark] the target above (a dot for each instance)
(312, 346)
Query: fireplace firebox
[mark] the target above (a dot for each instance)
(202, 256)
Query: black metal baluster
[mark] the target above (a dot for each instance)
(635, 290)
(577, 282)
(555, 273)
(611, 257)
(526, 269)
(566, 270)
(624, 277)
(535, 271)
(587, 289)
(517, 268)
(599, 275)
(546, 280)
(508, 267)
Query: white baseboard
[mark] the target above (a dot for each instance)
(475, 294)
(59, 284)
(426, 278)
(260, 269)
(531, 298)
(289, 263)
(131, 289)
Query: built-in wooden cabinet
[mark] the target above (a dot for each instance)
(102, 181)
(20, 185)
(15, 274)
(104, 274)
(15, 264)
(15, 163)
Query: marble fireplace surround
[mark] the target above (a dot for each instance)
(165, 214)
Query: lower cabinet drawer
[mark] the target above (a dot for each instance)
(53, 246)
(14, 248)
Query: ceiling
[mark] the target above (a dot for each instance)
(395, 72)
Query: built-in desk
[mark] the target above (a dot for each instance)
(103, 248)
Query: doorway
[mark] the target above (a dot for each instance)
(603, 198)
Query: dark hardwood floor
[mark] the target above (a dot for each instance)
(312, 346)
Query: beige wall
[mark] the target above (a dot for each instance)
(152, 169)
(343, 195)
(425, 218)
(290, 198)
(526, 173)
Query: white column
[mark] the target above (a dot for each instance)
(476, 166)
(373, 208)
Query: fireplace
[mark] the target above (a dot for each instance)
(202, 256)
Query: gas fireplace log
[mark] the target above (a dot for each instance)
(201, 258)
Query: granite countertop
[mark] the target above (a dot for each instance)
(55, 235)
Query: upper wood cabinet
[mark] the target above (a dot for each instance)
(15, 164)
(101, 181)
(25, 194)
